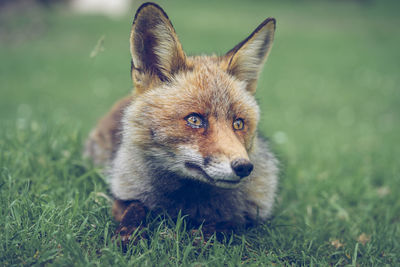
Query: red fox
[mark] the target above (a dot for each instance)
(186, 140)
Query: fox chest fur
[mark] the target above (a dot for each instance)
(187, 141)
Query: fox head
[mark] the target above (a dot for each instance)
(195, 117)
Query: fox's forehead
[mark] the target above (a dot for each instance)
(205, 88)
(208, 88)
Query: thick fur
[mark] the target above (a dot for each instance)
(163, 162)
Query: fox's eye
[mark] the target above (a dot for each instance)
(238, 124)
(195, 121)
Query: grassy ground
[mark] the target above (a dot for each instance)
(330, 101)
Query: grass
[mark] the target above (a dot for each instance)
(329, 96)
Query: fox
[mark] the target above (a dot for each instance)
(186, 140)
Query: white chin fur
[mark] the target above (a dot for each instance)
(219, 174)
(215, 181)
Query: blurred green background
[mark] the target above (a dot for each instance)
(329, 95)
(334, 63)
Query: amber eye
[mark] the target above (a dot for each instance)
(195, 121)
(238, 124)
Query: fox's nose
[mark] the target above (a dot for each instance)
(242, 167)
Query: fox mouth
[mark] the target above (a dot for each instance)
(195, 167)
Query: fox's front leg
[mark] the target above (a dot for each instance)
(131, 215)
(220, 229)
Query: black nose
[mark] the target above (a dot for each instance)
(242, 167)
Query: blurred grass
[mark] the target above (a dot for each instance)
(329, 96)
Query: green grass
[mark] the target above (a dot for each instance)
(330, 100)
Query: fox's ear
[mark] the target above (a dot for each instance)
(246, 59)
(156, 51)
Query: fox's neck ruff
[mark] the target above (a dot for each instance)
(200, 201)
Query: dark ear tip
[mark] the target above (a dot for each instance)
(149, 6)
(269, 20)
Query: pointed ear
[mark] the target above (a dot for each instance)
(156, 51)
(247, 58)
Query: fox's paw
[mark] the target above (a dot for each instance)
(126, 234)
(220, 230)
(132, 215)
